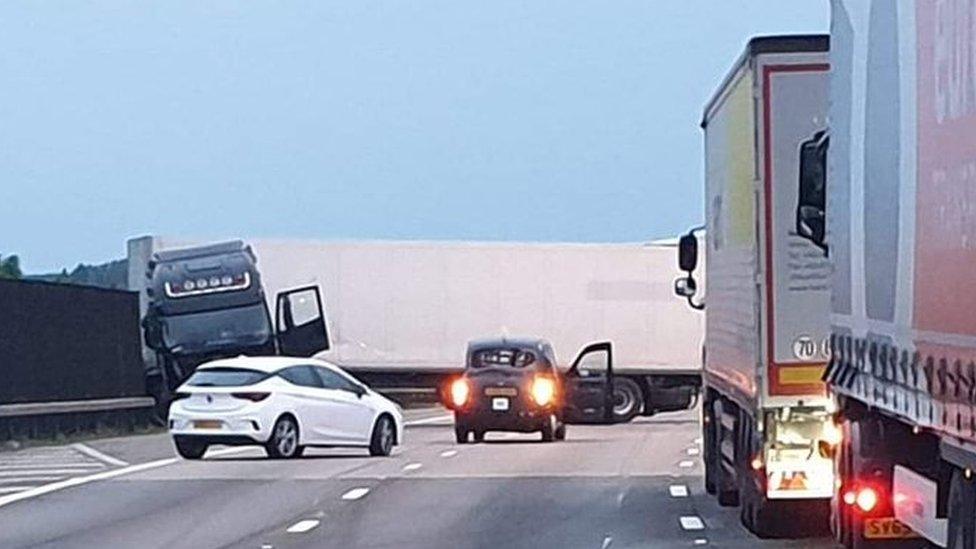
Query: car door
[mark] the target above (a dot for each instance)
(300, 323)
(312, 403)
(589, 385)
(351, 412)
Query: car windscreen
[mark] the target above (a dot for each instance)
(226, 377)
(494, 358)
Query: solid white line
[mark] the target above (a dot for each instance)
(686, 463)
(302, 526)
(448, 453)
(678, 490)
(41, 472)
(692, 523)
(412, 466)
(78, 467)
(438, 419)
(31, 478)
(11, 489)
(93, 453)
(355, 494)
(76, 481)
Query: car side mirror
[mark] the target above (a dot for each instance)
(685, 286)
(688, 252)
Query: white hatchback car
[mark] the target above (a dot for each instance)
(283, 404)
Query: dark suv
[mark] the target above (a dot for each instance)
(512, 384)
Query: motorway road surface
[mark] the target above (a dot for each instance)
(632, 485)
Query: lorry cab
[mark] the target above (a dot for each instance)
(207, 302)
(513, 384)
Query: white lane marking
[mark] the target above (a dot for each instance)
(678, 490)
(31, 478)
(692, 523)
(41, 472)
(12, 489)
(412, 466)
(698, 441)
(267, 546)
(693, 451)
(355, 494)
(76, 481)
(448, 453)
(437, 419)
(100, 456)
(302, 526)
(686, 463)
(701, 541)
(606, 542)
(78, 467)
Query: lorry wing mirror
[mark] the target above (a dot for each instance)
(688, 252)
(685, 286)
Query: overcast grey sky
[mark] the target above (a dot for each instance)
(500, 120)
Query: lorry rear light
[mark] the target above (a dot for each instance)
(867, 499)
(253, 397)
(460, 391)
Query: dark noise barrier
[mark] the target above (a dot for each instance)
(70, 360)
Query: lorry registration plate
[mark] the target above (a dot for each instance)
(499, 403)
(886, 528)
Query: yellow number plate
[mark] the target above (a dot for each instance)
(501, 391)
(207, 424)
(886, 528)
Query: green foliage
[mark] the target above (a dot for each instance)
(10, 267)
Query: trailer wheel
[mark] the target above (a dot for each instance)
(708, 446)
(962, 512)
(628, 399)
(726, 490)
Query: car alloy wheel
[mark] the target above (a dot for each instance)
(284, 439)
(384, 435)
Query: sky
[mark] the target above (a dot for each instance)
(394, 119)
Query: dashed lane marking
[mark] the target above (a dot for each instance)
(355, 494)
(448, 453)
(678, 490)
(412, 466)
(302, 526)
(686, 463)
(701, 541)
(693, 451)
(606, 542)
(691, 523)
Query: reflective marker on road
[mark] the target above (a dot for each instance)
(698, 441)
(678, 490)
(701, 541)
(693, 451)
(302, 526)
(692, 523)
(686, 463)
(448, 453)
(355, 493)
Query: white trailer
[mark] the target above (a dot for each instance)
(766, 412)
(406, 309)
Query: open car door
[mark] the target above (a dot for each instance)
(589, 385)
(300, 323)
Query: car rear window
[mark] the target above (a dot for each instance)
(502, 357)
(225, 377)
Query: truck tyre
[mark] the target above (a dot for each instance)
(757, 513)
(840, 514)
(726, 490)
(708, 446)
(962, 512)
(188, 448)
(478, 435)
(628, 399)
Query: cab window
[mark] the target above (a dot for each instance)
(515, 358)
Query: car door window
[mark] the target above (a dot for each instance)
(303, 376)
(335, 380)
(594, 364)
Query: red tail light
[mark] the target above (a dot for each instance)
(253, 397)
(863, 498)
(460, 392)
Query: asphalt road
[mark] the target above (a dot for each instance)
(633, 485)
